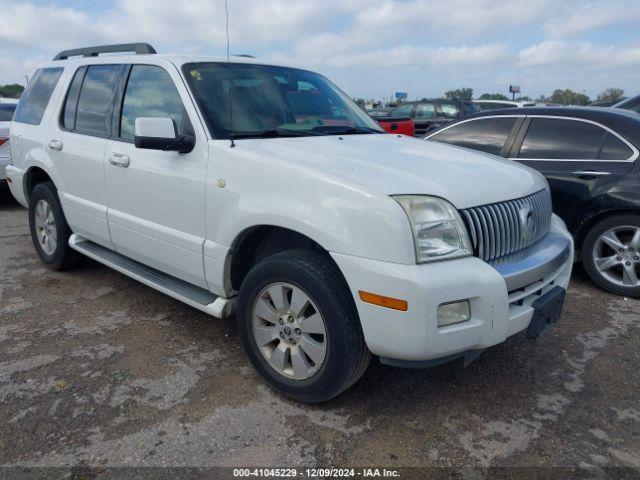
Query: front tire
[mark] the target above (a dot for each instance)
(299, 326)
(611, 255)
(49, 229)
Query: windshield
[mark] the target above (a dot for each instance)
(249, 100)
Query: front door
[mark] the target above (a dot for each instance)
(156, 199)
(580, 159)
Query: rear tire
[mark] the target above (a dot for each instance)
(610, 254)
(49, 229)
(310, 353)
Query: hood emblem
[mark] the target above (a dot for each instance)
(527, 222)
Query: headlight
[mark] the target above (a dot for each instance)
(438, 231)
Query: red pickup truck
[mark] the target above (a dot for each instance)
(399, 125)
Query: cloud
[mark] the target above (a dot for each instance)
(593, 16)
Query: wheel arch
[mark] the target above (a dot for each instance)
(34, 176)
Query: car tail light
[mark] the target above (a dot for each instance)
(3, 140)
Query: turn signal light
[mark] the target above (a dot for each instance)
(382, 301)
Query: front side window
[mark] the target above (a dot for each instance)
(151, 93)
(487, 135)
(95, 103)
(258, 100)
(6, 111)
(555, 138)
(35, 98)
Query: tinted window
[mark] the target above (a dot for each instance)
(615, 149)
(487, 135)
(403, 110)
(552, 138)
(35, 98)
(425, 110)
(151, 93)
(71, 102)
(96, 99)
(6, 111)
(450, 109)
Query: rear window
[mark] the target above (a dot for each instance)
(6, 111)
(36, 96)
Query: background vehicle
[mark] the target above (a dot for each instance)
(7, 107)
(428, 115)
(496, 104)
(590, 158)
(266, 189)
(632, 103)
(401, 126)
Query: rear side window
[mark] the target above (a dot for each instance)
(425, 110)
(450, 109)
(95, 103)
(6, 111)
(71, 102)
(36, 96)
(554, 138)
(615, 149)
(487, 135)
(151, 93)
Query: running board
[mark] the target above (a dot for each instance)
(197, 297)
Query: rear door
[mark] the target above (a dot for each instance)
(76, 144)
(157, 198)
(580, 158)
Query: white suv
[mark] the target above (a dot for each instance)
(235, 183)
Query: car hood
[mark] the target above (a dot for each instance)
(394, 165)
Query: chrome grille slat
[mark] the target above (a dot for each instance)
(496, 229)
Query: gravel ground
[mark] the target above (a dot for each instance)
(98, 370)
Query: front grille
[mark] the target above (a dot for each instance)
(503, 228)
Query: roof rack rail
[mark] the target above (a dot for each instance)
(138, 48)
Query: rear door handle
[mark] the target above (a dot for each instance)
(55, 145)
(590, 173)
(119, 160)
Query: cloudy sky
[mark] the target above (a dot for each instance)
(371, 48)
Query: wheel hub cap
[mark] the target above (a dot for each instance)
(46, 231)
(615, 255)
(289, 330)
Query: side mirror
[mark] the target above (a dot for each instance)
(161, 134)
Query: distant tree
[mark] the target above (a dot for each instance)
(493, 96)
(464, 92)
(360, 101)
(11, 91)
(568, 97)
(611, 95)
(524, 98)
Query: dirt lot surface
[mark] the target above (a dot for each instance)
(98, 370)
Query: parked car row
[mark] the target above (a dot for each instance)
(236, 186)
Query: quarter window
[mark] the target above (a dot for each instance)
(615, 149)
(71, 102)
(554, 138)
(151, 93)
(35, 98)
(487, 135)
(95, 103)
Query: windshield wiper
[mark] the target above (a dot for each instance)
(273, 133)
(346, 130)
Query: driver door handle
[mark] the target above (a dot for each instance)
(119, 160)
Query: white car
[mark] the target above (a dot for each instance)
(264, 190)
(7, 107)
(497, 104)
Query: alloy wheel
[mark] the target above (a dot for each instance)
(616, 256)
(46, 230)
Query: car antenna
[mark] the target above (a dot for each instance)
(226, 12)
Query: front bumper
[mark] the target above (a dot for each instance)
(500, 297)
